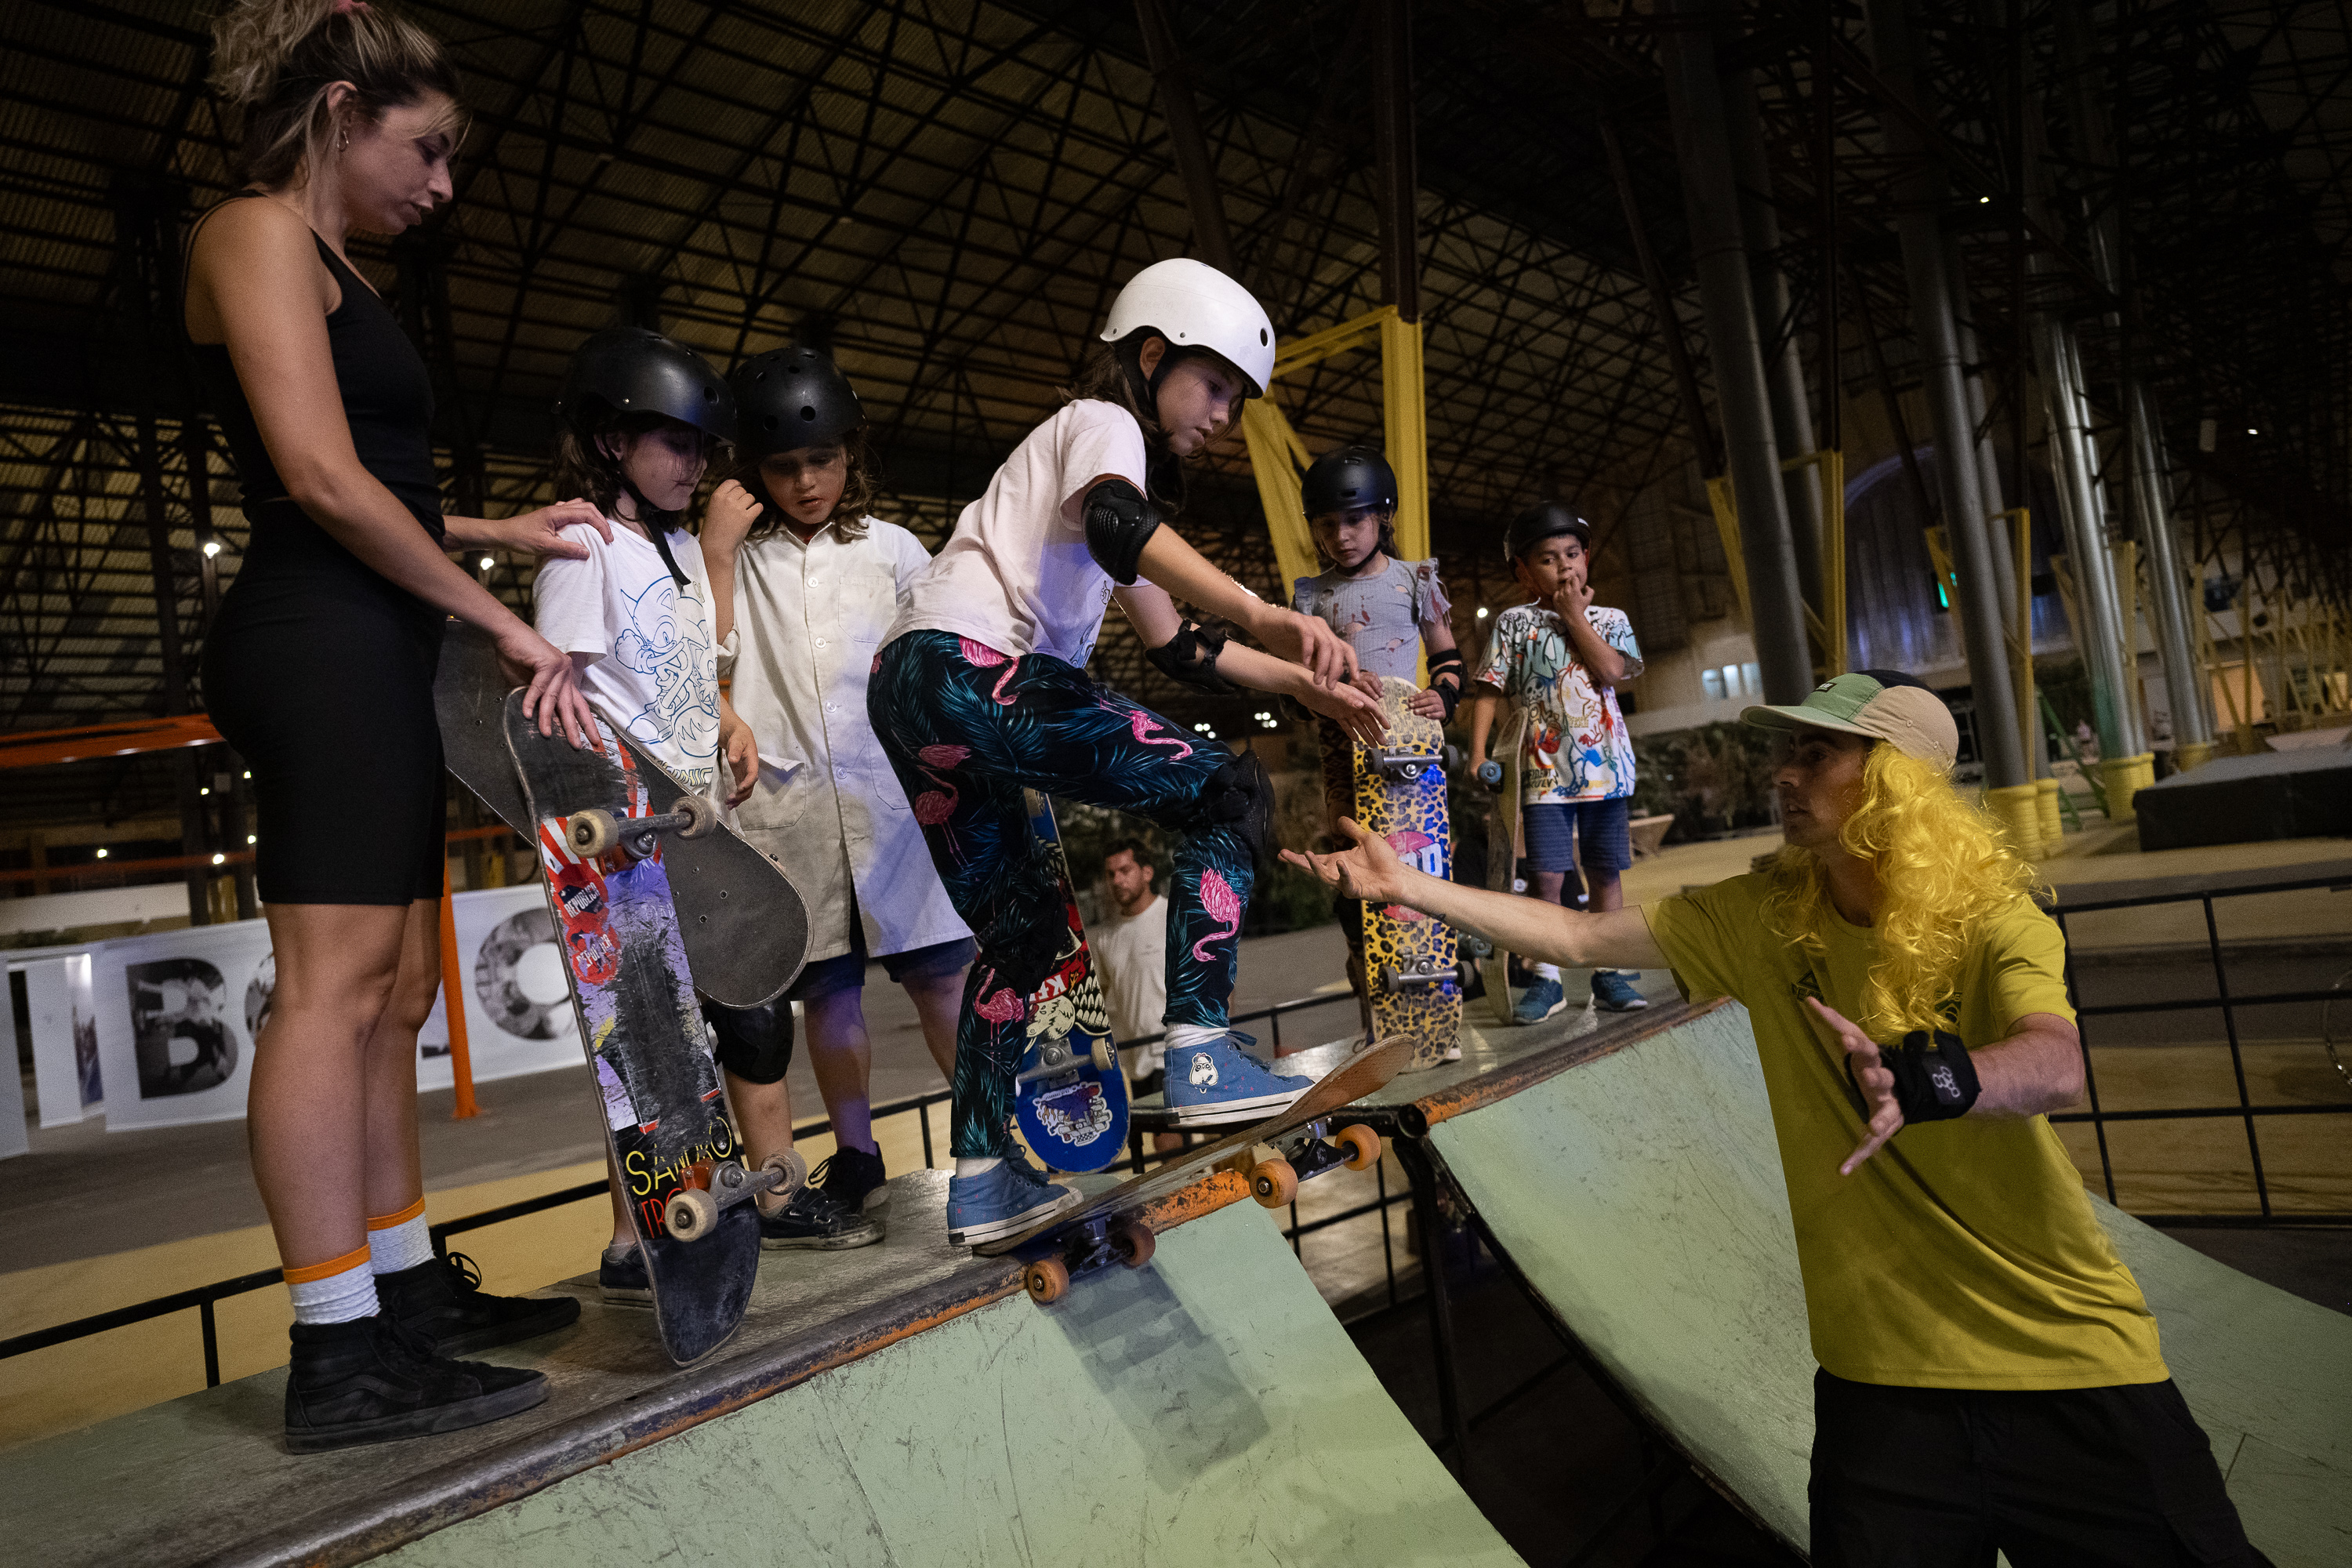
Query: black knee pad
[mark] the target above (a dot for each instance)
(755, 1043)
(1240, 794)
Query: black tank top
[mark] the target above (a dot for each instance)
(388, 404)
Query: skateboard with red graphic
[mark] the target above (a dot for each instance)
(1409, 959)
(604, 841)
(1069, 1096)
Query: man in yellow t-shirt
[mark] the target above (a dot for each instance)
(1990, 1375)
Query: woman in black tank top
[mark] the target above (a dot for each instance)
(319, 669)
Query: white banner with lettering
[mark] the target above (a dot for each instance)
(177, 1013)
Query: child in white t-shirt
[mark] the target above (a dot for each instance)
(642, 416)
(804, 584)
(980, 693)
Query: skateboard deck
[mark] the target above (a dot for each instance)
(661, 1101)
(745, 928)
(1112, 1227)
(1070, 1097)
(1506, 842)
(1408, 959)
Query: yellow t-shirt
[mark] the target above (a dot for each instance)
(1963, 1254)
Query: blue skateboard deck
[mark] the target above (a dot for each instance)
(1071, 1108)
(661, 1101)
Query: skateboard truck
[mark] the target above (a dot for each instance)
(1054, 1057)
(1409, 766)
(596, 831)
(1423, 971)
(692, 1212)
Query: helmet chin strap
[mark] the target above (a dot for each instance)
(658, 524)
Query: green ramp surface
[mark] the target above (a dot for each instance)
(1207, 1408)
(1640, 1194)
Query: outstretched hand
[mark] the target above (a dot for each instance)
(1370, 871)
(1350, 708)
(541, 532)
(1307, 640)
(1871, 1076)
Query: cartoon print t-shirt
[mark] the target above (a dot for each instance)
(657, 672)
(1578, 748)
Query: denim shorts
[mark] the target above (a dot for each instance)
(847, 970)
(1556, 829)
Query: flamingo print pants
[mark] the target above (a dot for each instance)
(967, 729)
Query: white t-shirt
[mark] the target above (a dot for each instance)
(809, 617)
(1131, 961)
(1015, 576)
(656, 671)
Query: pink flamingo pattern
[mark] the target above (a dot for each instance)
(1220, 904)
(987, 658)
(1142, 724)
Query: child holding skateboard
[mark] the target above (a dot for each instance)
(980, 690)
(1562, 657)
(1389, 611)
(642, 415)
(804, 582)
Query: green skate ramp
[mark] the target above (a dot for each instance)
(1206, 1409)
(1639, 1194)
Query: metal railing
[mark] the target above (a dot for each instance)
(203, 1299)
(2229, 1005)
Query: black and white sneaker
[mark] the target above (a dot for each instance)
(853, 1177)
(442, 1298)
(817, 1221)
(621, 1275)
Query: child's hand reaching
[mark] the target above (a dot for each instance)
(728, 519)
(1428, 704)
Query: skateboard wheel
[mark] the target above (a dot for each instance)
(792, 1168)
(590, 833)
(1106, 1055)
(1048, 1280)
(1491, 774)
(691, 1213)
(701, 816)
(1133, 1241)
(1361, 1145)
(1274, 1184)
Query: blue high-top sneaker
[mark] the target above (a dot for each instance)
(1007, 1197)
(1221, 1085)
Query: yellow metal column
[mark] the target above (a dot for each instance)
(1404, 409)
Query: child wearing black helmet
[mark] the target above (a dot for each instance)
(1389, 611)
(981, 692)
(804, 585)
(642, 417)
(1561, 657)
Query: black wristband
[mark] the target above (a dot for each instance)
(1440, 666)
(1934, 1079)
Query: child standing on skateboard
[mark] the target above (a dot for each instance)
(980, 690)
(1562, 658)
(634, 614)
(804, 584)
(1388, 610)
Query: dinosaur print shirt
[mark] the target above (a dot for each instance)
(1578, 748)
(656, 670)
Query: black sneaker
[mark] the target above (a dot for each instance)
(442, 1299)
(621, 1275)
(815, 1219)
(853, 1178)
(371, 1380)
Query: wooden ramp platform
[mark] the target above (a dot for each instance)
(903, 1404)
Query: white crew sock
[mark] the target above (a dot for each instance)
(336, 1298)
(402, 1244)
(1187, 1037)
(1546, 971)
(976, 1165)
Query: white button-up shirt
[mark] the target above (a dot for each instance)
(809, 619)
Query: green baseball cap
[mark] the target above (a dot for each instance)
(1883, 704)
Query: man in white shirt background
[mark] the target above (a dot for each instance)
(1130, 953)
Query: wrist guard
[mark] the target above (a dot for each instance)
(1448, 691)
(1190, 657)
(1118, 521)
(1934, 1079)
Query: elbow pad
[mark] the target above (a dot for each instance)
(1118, 520)
(1190, 657)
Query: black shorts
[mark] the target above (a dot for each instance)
(324, 685)
(2075, 1477)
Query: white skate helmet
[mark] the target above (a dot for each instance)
(1194, 306)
